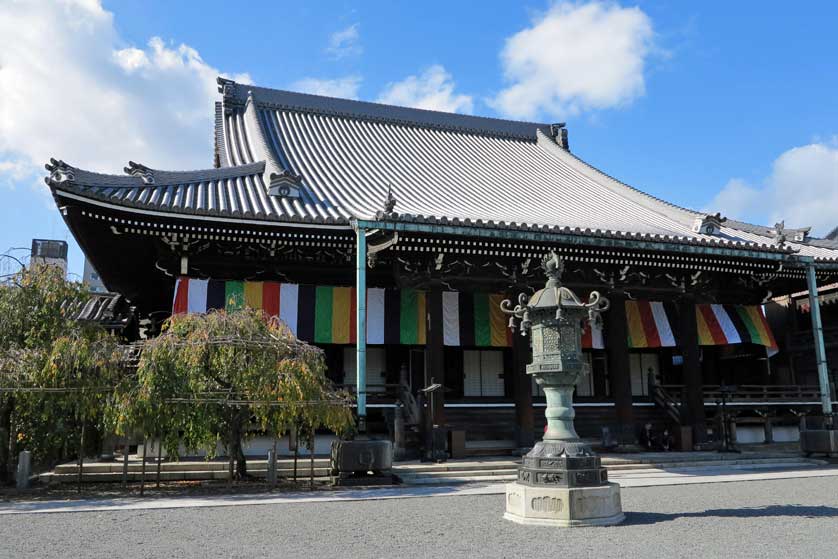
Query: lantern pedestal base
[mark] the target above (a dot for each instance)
(564, 506)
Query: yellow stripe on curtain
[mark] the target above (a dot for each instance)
(636, 333)
(341, 311)
(253, 294)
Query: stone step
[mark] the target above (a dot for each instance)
(458, 473)
(151, 476)
(136, 466)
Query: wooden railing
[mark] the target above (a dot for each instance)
(803, 341)
(756, 392)
(668, 401)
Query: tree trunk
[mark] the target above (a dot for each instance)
(276, 476)
(236, 450)
(142, 474)
(7, 404)
(296, 450)
(159, 457)
(81, 455)
(125, 449)
(311, 460)
(231, 458)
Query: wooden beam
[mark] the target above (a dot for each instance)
(619, 373)
(693, 402)
(522, 391)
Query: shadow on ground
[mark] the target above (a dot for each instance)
(775, 511)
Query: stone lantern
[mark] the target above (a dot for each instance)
(561, 482)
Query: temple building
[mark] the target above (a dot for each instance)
(388, 236)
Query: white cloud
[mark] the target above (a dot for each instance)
(345, 42)
(433, 90)
(345, 87)
(71, 88)
(802, 189)
(575, 57)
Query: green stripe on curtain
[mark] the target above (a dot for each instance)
(482, 326)
(408, 326)
(748, 320)
(323, 315)
(233, 295)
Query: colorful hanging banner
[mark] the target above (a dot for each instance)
(474, 319)
(733, 324)
(326, 314)
(649, 324)
(592, 336)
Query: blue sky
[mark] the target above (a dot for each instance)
(723, 106)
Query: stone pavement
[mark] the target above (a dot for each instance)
(766, 519)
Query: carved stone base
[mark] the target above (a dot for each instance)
(564, 506)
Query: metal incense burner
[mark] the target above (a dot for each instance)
(561, 481)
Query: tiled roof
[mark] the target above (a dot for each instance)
(441, 167)
(107, 309)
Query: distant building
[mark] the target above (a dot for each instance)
(92, 280)
(50, 252)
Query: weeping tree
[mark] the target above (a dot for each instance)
(35, 305)
(211, 379)
(78, 375)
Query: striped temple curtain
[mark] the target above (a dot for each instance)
(651, 324)
(326, 314)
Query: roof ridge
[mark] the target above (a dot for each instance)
(140, 175)
(237, 94)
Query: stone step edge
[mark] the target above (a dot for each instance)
(446, 468)
(498, 473)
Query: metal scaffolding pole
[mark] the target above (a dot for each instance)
(820, 348)
(361, 323)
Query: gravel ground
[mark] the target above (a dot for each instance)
(784, 518)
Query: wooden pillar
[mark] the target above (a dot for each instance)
(435, 368)
(522, 391)
(693, 403)
(619, 374)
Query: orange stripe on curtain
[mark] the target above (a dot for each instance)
(713, 326)
(704, 336)
(636, 335)
(421, 318)
(181, 300)
(497, 321)
(270, 298)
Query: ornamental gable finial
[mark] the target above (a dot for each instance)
(285, 184)
(59, 171)
(389, 205)
(709, 224)
(226, 87)
(780, 237)
(138, 170)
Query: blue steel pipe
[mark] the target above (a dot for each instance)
(361, 324)
(817, 332)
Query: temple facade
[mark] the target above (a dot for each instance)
(389, 236)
